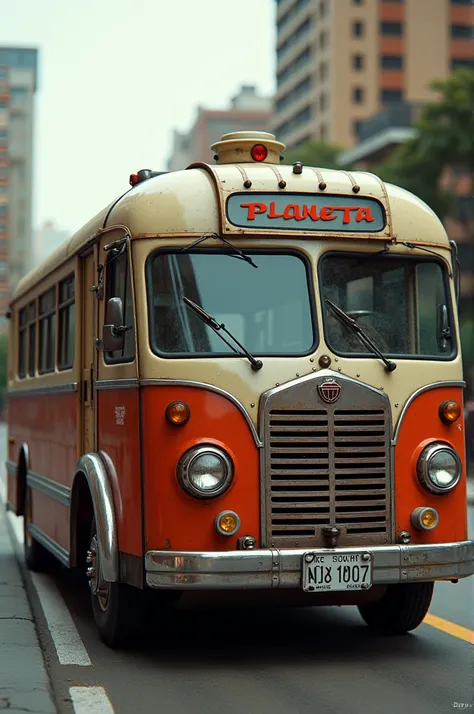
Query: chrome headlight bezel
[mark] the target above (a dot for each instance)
(423, 467)
(184, 471)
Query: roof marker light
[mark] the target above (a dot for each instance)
(259, 152)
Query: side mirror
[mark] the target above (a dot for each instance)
(444, 331)
(113, 335)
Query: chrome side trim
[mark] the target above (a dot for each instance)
(116, 384)
(210, 388)
(51, 488)
(11, 467)
(426, 388)
(37, 391)
(93, 469)
(47, 542)
(256, 569)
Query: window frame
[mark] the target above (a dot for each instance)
(45, 317)
(32, 324)
(361, 25)
(63, 307)
(152, 342)
(22, 358)
(384, 24)
(108, 360)
(413, 258)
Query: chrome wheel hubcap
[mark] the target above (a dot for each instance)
(97, 585)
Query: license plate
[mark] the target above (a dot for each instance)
(337, 571)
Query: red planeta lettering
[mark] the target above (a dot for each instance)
(253, 209)
(310, 212)
(292, 211)
(272, 213)
(327, 214)
(364, 214)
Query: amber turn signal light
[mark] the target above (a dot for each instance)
(450, 412)
(425, 519)
(227, 523)
(178, 413)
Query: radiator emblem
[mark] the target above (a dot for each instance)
(329, 391)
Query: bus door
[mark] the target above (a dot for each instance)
(89, 351)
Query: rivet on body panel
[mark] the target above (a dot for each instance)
(252, 404)
(396, 404)
(247, 183)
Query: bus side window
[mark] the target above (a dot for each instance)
(118, 284)
(22, 344)
(66, 340)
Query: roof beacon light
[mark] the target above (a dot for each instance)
(259, 152)
(246, 147)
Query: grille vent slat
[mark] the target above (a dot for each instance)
(327, 467)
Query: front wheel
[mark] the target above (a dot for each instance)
(117, 607)
(400, 610)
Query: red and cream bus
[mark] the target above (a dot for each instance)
(245, 376)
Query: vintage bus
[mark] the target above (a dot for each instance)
(244, 377)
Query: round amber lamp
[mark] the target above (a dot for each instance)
(450, 411)
(227, 523)
(178, 413)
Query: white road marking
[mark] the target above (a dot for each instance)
(66, 639)
(90, 700)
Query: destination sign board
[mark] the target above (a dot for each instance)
(306, 212)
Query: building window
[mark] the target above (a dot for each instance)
(357, 29)
(323, 102)
(391, 62)
(18, 92)
(462, 63)
(67, 324)
(323, 40)
(47, 331)
(299, 62)
(356, 127)
(323, 132)
(358, 95)
(323, 71)
(358, 2)
(22, 344)
(358, 62)
(461, 2)
(323, 7)
(32, 339)
(462, 31)
(119, 285)
(393, 29)
(299, 91)
(390, 96)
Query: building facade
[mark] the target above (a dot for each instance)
(248, 110)
(47, 239)
(339, 62)
(18, 83)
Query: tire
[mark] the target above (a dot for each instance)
(37, 558)
(118, 614)
(401, 609)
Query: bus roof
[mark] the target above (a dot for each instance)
(267, 197)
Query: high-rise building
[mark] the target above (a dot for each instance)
(248, 110)
(18, 83)
(342, 61)
(47, 239)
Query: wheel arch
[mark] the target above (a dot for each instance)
(91, 481)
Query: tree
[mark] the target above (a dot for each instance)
(444, 141)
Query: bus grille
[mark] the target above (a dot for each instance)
(327, 466)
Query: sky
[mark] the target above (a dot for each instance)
(116, 77)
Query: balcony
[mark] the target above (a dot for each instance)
(397, 116)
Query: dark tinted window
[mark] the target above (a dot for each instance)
(391, 62)
(358, 95)
(47, 331)
(358, 61)
(358, 29)
(32, 339)
(22, 343)
(267, 309)
(67, 323)
(391, 95)
(119, 285)
(391, 28)
(463, 31)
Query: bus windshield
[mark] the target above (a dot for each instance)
(402, 304)
(269, 309)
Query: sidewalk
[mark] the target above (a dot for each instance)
(24, 683)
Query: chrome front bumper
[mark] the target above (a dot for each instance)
(261, 569)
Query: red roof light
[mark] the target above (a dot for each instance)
(259, 152)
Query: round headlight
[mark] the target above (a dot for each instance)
(205, 471)
(439, 468)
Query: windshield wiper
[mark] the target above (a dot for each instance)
(214, 325)
(352, 325)
(237, 252)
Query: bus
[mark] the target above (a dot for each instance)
(244, 378)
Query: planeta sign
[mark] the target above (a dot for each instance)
(306, 212)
